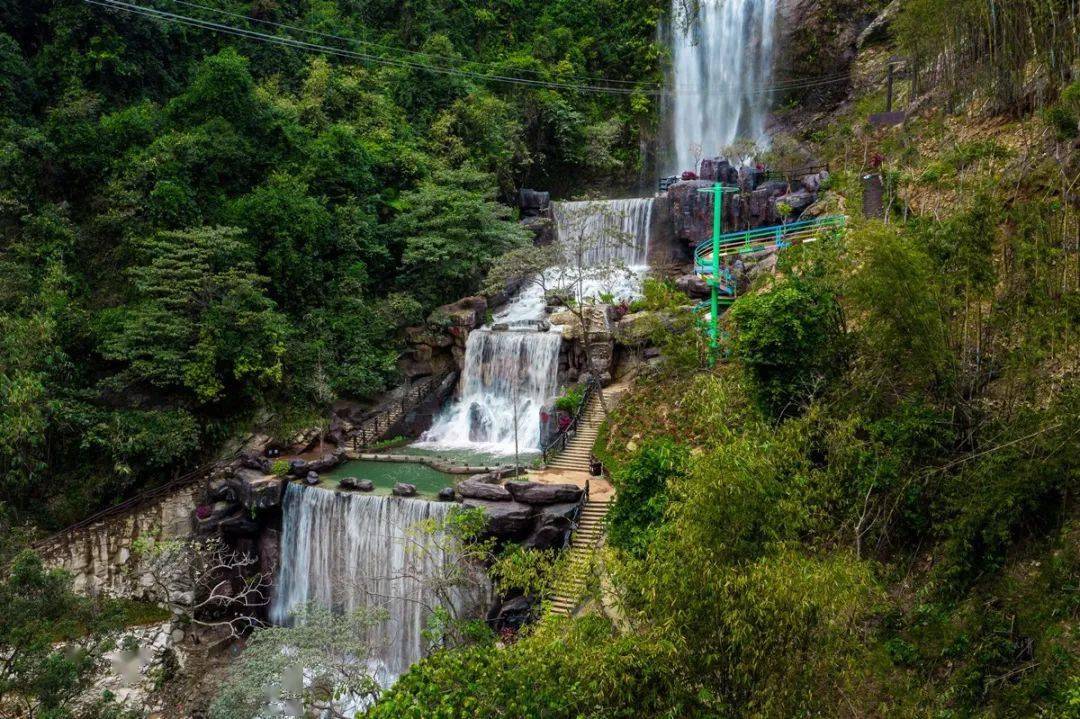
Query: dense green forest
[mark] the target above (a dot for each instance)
(201, 234)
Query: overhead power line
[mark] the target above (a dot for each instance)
(457, 59)
(367, 57)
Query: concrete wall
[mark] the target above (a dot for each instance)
(99, 556)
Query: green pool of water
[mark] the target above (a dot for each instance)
(385, 475)
(466, 457)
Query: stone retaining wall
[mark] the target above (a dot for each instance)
(99, 556)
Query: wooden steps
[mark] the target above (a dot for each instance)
(589, 533)
(575, 457)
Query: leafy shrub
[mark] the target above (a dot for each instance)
(641, 486)
(788, 339)
(659, 295)
(571, 399)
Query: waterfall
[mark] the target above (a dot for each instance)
(722, 64)
(608, 230)
(499, 368)
(346, 551)
(517, 370)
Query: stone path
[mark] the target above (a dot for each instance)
(579, 449)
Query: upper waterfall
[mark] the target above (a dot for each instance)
(722, 59)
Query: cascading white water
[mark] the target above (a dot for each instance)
(346, 551)
(606, 230)
(517, 370)
(722, 57)
(503, 370)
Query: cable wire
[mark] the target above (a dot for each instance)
(660, 91)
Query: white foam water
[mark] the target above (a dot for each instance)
(344, 551)
(722, 60)
(505, 373)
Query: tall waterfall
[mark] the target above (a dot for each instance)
(500, 367)
(346, 551)
(608, 230)
(722, 59)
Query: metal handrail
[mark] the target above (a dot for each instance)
(139, 500)
(371, 429)
(741, 238)
(564, 435)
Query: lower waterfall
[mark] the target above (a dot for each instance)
(504, 372)
(346, 551)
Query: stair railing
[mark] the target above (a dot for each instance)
(558, 442)
(370, 430)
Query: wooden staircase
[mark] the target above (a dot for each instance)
(587, 538)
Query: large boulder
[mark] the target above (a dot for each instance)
(512, 614)
(635, 330)
(255, 490)
(537, 493)
(404, 489)
(797, 201)
(692, 210)
(359, 485)
(468, 313)
(717, 169)
(476, 488)
(533, 202)
(597, 318)
(327, 461)
(428, 336)
(554, 524)
(693, 285)
(541, 228)
(506, 520)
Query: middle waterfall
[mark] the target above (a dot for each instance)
(515, 371)
(504, 372)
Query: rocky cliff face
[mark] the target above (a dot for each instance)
(819, 40)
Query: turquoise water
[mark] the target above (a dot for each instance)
(471, 458)
(385, 475)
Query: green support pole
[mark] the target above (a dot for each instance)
(717, 225)
(717, 191)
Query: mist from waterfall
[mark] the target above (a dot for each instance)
(344, 551)
(722, 60)
(503, 370)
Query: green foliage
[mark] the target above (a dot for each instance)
(348, 184)
(659, 295)
(990, 48)
(52, 639)
(451, 230)
(641, 486)
(571, 399)
(200, 321)
(896, 307)
(788, 338)
(322, 657)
